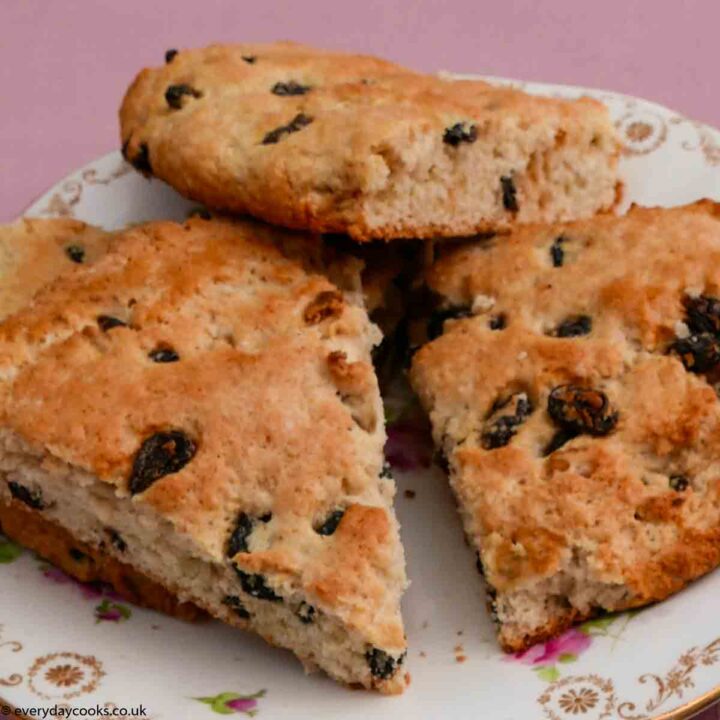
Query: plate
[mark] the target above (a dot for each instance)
(64, 643)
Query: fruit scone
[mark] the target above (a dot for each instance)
(573, 393)
(199, 408)
(336, 142)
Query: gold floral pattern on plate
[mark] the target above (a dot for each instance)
(675, 683)
(590, 696)
(641, 131)
(706, 143)
(13, 646)
(64, 675)
(594, 697)
(63, 202)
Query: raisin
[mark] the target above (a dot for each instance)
(703, 314)
(498, 322)
(141, 162)
(289, 88)
(108, 322)
(558, 440)
(75, 253)
(163, 355)
(77, 555)
(441, 460)
(256, 586)
(509, 193)
(306, 613)
(382, 664)
(460, 132)
(249, 59)
(331, 523)
(557, 252)
(240, 534)
(574, 326)
(297, 123)
(175, 93)
(679, 483)
(386, 471)
(244, 525)
(327, 304)
(31, 498)
(699, 353)
(437, 319)
(581, 410)
(163, 453)
(235, 604)
(170, 55)
(116, 540)
(504, 419)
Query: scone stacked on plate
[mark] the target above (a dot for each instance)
(194, 417)
(342, 143)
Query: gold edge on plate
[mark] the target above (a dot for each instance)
(692, 708)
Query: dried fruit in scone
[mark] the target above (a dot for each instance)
(335, 142)
(200, 407)
(35, 251)
(582, 436)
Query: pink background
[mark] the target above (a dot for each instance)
(64, 64)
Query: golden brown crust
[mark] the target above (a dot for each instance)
(615, 519)
(366, 127)
(54, 543)
(33, 252)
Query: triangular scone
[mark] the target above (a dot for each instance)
(573, 392)
(35, 251)
(201, 408)
(335, 142)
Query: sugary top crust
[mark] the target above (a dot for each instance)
(635, 498)
(360, 113)
(271, 388)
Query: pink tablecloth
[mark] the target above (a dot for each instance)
(64, 66)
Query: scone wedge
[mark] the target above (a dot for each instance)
(335, 142)
(574, 394)
(202, 409)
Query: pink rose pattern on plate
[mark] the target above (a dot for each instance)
(227, 703)
(408, 446)
(107, 610)
(544, 658)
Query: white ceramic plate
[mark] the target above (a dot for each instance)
(62, 643)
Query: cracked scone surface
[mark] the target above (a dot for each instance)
(583, 432)
(333, 142)
(34, 251)
(213, 404)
